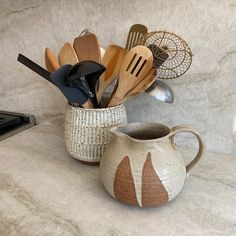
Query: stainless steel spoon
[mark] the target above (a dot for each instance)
(161, 91)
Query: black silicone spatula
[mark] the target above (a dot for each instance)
(73, 95)
(88, 73)
(34, 67)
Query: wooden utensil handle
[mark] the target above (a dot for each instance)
(115, 101)
(88, 105)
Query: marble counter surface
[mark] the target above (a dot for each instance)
(43, 191)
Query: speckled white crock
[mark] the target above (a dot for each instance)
(87, 131)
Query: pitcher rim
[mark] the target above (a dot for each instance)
(114, 131)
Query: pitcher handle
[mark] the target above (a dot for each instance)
(201, 147)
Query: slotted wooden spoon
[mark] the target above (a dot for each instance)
(136, 36)
(87, 48)
(51, 61)
(112, 60)
(67, 55)
(143, 85)
(136, 65)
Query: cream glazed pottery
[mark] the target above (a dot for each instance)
(142, 166)
(87, 131)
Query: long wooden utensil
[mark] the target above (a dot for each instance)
(102, 52)
(136, 65)
(87, 48)
(112, 60)
(143, 85)
(51, 61)
(146, 83)
(67, 55)
(136, 36)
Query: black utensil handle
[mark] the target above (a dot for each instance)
(84, 82)
(34, 67)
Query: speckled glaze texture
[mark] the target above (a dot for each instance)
(87, 131)
(145, 172)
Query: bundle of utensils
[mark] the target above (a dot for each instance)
(84, 71)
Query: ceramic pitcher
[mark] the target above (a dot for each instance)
(142, 166)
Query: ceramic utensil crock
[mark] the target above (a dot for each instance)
(142, 166)
(87, 131)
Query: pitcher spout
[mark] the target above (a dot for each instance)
(118, 131)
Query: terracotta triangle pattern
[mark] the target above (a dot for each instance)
(124, 187)
(153, 191)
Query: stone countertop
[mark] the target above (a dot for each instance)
(44, 191)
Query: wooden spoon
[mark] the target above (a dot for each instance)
(51, 61)
(136, 65)
(102, 52)
(136, 36)
(112, 60)
(87, 48)
(67, 55)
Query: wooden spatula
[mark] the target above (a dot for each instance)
(51, 61)
(67, 55)
(136, 65)
(112, 60)
(87, 48)
(143, 85)
(136, 36)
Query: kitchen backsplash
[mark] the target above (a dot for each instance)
(205, 96)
